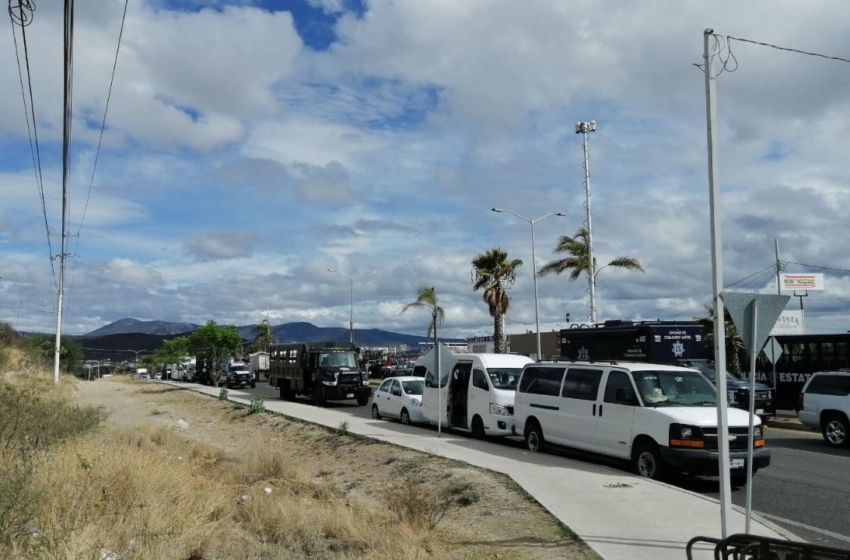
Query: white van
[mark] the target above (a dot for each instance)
(661, 418)
(477, 393)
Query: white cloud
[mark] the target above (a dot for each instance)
(221, 244)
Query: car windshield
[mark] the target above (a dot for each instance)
(504, 378)
(338, 359)
(414, 386)
(674, 388)
(709, 371)
(239, 368)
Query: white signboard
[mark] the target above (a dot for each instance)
(789, 322)
(801, 281)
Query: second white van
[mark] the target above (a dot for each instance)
(661, 418)
(477, 393)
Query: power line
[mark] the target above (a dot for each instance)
(23, 17)
(788, 49)
(821, 267)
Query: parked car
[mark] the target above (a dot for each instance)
(399, 397)
(825, 406)
(661, 418)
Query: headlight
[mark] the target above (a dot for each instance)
(685, 436)
(498, 409)
(757, 433)
(329, 383)
(365, 383)
(687, 432)
(415, 402)
(731, 396)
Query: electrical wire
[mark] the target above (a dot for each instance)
(21, 14)
(788, 49)
(821, 267)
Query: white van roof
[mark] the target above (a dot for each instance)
(631, 366)
(498, 360)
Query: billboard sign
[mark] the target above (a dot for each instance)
(789, 322)
(801, 281)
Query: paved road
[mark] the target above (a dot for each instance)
(806, 489)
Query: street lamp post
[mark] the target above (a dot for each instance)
(533, 265)
(584, 128)
(351, 309)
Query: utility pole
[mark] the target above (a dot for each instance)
(351, 308)
(778, 268)
(717, 287)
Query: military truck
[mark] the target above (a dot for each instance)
(322, 371)
(225, 372)
(677, 343)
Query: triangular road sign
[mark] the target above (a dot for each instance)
(740, 306)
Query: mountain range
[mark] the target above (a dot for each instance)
(285, 332)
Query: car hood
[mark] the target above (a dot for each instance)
(705, 416)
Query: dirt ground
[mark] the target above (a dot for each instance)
(499, 521)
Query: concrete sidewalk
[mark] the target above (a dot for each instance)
(787, 420)
(622, 517)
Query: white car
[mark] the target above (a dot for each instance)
(825, 406)
(399, 397)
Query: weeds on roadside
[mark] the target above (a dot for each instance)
(257, 405)
(465, 492)
(342, 429)
(222, 395)
(418, 505)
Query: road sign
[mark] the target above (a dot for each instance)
(447, 360)
(773, 350)
(740, 306)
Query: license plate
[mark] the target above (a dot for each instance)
(736, 463)
(759, 411)
(351, 396)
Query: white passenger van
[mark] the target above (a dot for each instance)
(661, 418)
(477, 393)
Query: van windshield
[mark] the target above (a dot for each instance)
(674, 388)
(504, 378)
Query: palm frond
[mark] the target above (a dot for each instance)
(628, 263)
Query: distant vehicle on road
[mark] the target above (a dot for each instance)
(661, 418)
(401, 398)
(825, 406)
(260, 364)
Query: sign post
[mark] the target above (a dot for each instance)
(745, 310)
(773, 350)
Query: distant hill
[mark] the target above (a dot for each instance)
(129, 325)
(133, 334)
(119, 347)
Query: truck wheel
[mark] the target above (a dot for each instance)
(534, 441)
(835, 430)
(362, 401)
(478, 428)
(646, 461)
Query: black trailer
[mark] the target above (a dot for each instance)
(322, 371)
(660, 342)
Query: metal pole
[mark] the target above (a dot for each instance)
(439, 376)
(749, 464)
(351, 312)
(717, 286)
(778, 268)
(536, 305)
(591, 266)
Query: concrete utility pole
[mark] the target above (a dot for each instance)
(717, 287)
(778, 268)
(584, 128)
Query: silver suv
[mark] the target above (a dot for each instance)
(825, 406)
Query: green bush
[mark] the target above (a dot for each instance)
(222, 395)
(257, 405)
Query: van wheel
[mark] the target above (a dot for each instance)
(534, 441)
(478, 428)
(376, 414)
(404, 417)
(835, 430)
(646, 461)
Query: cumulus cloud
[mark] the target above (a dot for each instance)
(222, 245)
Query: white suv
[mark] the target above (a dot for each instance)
(661, 418)
(825, 406)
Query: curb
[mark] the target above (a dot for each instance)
(795, 426)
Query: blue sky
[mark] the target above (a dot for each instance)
(250, 146)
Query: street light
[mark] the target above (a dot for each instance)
(584, 128)
(351, 313)
(533, 265)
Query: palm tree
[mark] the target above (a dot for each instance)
(735, 348)
(577, 262)
(427, 297)
(265, 336)
(494, 272)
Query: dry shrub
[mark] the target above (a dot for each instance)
(419, 505)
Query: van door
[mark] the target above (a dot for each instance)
(616, 415)
(478, 402)
(458, 394)
(541, 386)
(578, 407)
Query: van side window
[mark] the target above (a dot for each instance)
(582, 384)
(835, 385)
(479, 380)
(541, 381)
(619, 389)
